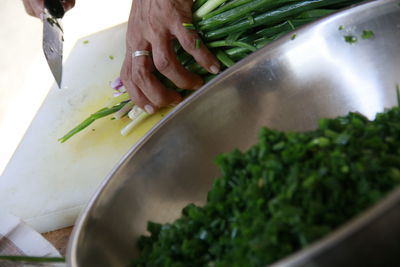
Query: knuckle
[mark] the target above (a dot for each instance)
(161, 101)
(139, 77)
(124, 74)
(162, 63)
(187, 42)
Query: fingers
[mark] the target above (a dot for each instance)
(151, 87)
(68, 4)
(188, 38)
(33, 7)
(134, 92)
(165, 60)
(143, 87)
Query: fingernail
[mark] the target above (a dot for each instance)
(214, 69)
(41, 16)
(149, 109)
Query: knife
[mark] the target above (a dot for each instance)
(53, 37)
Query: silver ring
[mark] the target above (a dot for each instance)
(139, 53)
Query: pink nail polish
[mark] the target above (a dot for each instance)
(149, 109)
(214, 69)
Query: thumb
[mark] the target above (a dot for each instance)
(68, 4)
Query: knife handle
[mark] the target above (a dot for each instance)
(55, 8)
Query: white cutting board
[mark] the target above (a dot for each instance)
(47, 183)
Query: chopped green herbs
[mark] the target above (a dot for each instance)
(341, 27)
(293, 37)
(30, 259)
(86, 42)
(351, 39)
(398, 94)
(367, 34)
(111, 57)
(198, 43)
(189, 26)
(291, 25)
(282, 194)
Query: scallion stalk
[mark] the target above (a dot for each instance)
(206, 8)
(123, 111)
(31, 259)
(128, 128)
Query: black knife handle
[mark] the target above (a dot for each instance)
(55, 8)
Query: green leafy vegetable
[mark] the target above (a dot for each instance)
(233, 29)
(29, 259)
(367, 35)
(282, 194)
(189, 26)
(351, 39)
(92, 118)
(198, 43)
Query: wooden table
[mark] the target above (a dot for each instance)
(59, 239)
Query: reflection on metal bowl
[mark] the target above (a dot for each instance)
(287, 85)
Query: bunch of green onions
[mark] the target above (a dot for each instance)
(231, 29)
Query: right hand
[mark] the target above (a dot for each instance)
(35, 7)
(152, 26)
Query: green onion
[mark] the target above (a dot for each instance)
(367, 35)
(239, 12)
(227, 6)
(189, 26)
(198, 43)
(117, 99)
(351, 39)
(231, 43)
(135, 121)
(197, 4)
(224, 58)
(206, 8)
(233, 29)
(95, 116)
(31, 259)
(269, 18)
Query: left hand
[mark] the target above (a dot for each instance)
(35, 7)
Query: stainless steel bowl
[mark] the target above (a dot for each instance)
(288, 85)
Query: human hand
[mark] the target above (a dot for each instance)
(152, 26)
(35, 7)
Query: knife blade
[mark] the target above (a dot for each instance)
(53, 37)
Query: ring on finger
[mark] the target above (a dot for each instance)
(139, 53)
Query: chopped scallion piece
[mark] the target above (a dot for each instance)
(198, 43)
(350, 39)
(188, 26)
(368, 35)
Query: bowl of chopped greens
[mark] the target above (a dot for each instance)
(289, 157)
